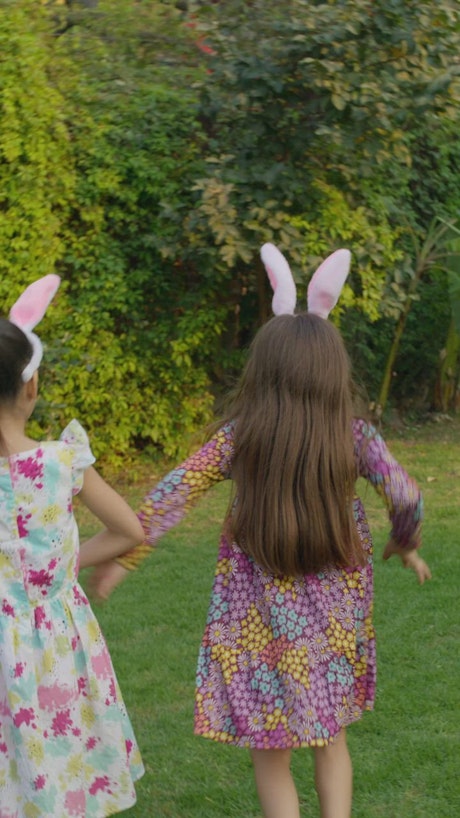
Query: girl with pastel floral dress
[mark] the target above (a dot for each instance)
(67, 749)
(287, 658)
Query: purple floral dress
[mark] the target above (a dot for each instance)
(284, 662)
(67, 749)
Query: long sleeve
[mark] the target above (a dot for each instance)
(167, 504)
(400, 492)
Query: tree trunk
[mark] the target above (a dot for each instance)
(422, 265)
(447, 382)
(388, 374)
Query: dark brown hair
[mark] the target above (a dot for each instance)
(294, 467)
(15, 354)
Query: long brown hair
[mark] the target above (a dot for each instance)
(293, 467)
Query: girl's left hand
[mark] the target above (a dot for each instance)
(410, 559)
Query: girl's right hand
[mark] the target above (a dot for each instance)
(105, 578)
(410, 559)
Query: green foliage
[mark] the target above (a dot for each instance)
(327, 88)
(36, 172)
(331, 124)
(140, 327)
(452, 266)
(147, 150)
(371, 240)
(135, 330)
(433, 256)
(449, 370)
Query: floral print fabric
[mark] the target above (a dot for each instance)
(66, 744)
(285, 662)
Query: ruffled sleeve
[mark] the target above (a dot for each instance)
(77, 449)
(400, 492)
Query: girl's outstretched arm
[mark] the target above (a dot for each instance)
(123, 530)
(167, 504)
(401, 494)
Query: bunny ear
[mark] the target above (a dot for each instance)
(31, 306)
(279, 273)
(327, 282)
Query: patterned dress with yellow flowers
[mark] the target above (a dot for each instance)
(67, 749)
(284, 662)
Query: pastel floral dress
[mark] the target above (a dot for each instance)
(283, 662)
(67, 748)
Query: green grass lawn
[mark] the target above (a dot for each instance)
(405, 754)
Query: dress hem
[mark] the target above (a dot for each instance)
(246, 743)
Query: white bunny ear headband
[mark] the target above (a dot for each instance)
(324, 288)
(28, 311)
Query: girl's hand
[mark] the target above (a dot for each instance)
(105, 578)
(410, 559)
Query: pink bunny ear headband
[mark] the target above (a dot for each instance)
(324, 288)
(28, 311)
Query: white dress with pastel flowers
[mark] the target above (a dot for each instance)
(67, 749)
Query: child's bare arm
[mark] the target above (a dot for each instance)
(122, 527)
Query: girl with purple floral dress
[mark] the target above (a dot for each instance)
(287, 658)
(67, 749)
